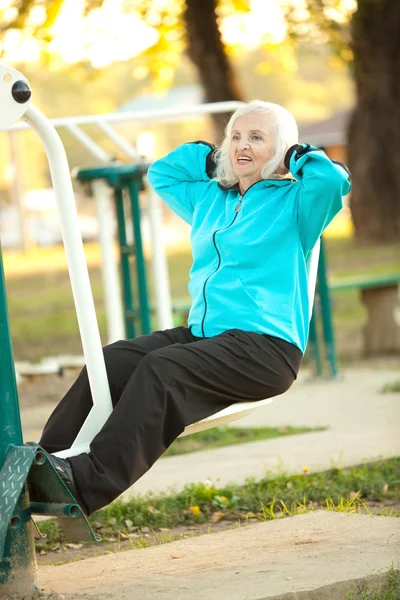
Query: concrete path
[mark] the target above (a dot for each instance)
(318, 556)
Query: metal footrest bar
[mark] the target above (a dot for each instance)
(31, 465)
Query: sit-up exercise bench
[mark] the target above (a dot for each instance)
(19, 462)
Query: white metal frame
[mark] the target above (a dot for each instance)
(10, 111)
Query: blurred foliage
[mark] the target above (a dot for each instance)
(37, 17)
(313, 91)
(307, 77)
(322, 21)
(316, 21)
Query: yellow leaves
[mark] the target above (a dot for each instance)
(227, 7)
(347, 54)
(280, 56)
(53, 9)
(264, 68)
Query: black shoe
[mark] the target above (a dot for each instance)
(64, 470)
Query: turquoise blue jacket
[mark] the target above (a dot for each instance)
(250, 251)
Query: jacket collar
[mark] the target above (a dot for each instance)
(266, 183)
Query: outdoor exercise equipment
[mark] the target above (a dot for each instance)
(126, 181)
(19, 463)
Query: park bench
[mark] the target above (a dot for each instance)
(380, 295)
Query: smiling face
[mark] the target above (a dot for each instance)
(251, 147)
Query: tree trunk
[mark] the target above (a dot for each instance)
(374, 154)
(374, 136)
(207, 52)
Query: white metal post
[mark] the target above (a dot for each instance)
(80, 281)
(109, 266)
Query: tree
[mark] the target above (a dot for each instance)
(206, 50)
(366, 38)
(374, 135)
(374, 153)
(183, 24)
(370, 33)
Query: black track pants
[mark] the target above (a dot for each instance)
(159, 384)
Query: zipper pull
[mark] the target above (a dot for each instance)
(239, 204)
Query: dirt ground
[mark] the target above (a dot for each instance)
(39, 389)
(63, 553)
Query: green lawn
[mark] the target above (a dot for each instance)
(226, 436)
(43, 321)
(273, 497)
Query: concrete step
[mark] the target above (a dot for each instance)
(316, 556)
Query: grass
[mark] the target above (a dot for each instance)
(226, 436)
(391, 388)
(389, 589)
(279, 496)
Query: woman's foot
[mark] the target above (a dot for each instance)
(64, 470)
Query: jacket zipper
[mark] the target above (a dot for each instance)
(237, 209)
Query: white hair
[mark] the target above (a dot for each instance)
(284, 134)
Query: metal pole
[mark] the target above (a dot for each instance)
(111, 287)
(326, 311)
(80, 282)
(17, 189)
(111, 282)
(140, 261)
(118, 139)
(125, 265)
(176, 113)
(314, 345)
(18, 571)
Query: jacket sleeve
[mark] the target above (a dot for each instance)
(181, 178)
(322, 185)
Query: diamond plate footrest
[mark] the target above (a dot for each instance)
(51, 495)
(13, 474)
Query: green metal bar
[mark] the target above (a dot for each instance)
(18, 573)
(313, 344)
(140, 262)
(129, 250)
(125, 265)
(326, 311)
(55, 510)
(10, 421)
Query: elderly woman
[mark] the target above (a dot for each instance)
(257, 206)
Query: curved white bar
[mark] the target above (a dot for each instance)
(79, 276)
